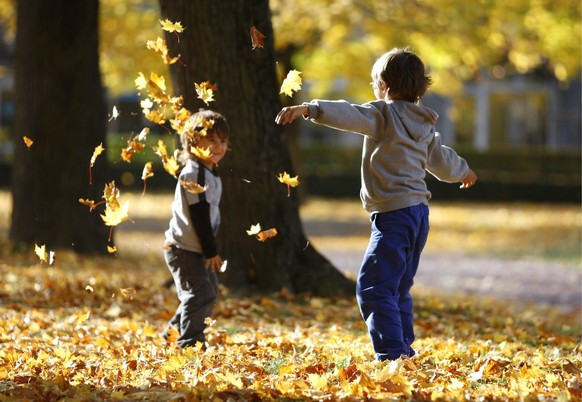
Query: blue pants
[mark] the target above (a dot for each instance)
(386, 276)
(197, 290)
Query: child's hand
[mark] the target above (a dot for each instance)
(213, 263)
(290, 113)
(469, 180)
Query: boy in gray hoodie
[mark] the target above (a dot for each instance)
(400, 146)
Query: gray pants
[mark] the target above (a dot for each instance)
(197, 290)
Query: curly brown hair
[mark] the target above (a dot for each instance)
(403, 73)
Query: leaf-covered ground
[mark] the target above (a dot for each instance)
(88, 329)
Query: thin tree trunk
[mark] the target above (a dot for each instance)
(216, 47)
(59, 105)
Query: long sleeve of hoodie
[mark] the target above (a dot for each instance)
(444, 163)
(400, 146)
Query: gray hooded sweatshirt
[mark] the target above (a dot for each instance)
(400, 145)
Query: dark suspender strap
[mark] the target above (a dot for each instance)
(201, 181)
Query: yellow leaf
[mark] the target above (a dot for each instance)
(110, 195)
(255, 229)
(111, 250)
(141, 81)
(291, 83)
(27, 141)
(147, 171)
(318, 382)
(160, 47)
(82, 317)
(285, 178)
(98, 151)
(41, 252)
(89, 288)
(114, 217)
(171, 165)
(201, 153)
(170, 26)
(205, 91)
(193, 187)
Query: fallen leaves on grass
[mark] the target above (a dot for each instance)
(90, 328)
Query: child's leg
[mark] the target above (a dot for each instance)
(196, 288)
(385, 264)
(420, 213)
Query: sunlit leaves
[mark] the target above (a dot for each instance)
(205, 91)
(27, 141)
(175, 27)
(100, 330)
(193, 187)
(261, 234)
(114, 215)
(44, 255)
(170, 163)
(203, 154)
(160, 46)
(98, 150)
(285, 178)
(291, 83)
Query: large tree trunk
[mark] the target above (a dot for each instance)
(60, 105)
(216, 47)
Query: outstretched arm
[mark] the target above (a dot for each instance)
(290, 113)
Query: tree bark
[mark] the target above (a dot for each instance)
(216, 47)
(60, 105)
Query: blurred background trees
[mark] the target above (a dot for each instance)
(507, 84)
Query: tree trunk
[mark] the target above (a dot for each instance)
(60, 105)
(216, 47)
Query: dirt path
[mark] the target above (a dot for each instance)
(539, 282)
(536, 281)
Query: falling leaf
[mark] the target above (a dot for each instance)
(115, 216)
(257, 38)
(201, 153)
(141, 81)
(266, 234)
(205, 91)
(170, 163)
(90, 203)
(223, 266)
(134, 146)
(111, 194)
(193, 187)
(255, 229)
(98, 150)
(170, 26)
(111, 250)
(89, 288)
(114, 114)
(160, 47)
(291, 83)
(285, 178)
(142, 136)
(27, 141)
(41, 252)
(145, 174)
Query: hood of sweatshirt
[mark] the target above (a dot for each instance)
(418, 120)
